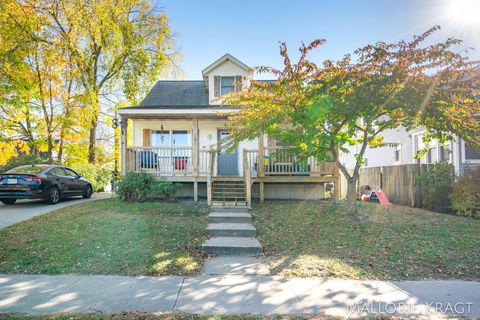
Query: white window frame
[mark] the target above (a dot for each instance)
(398, 149)
(447, 145)
(414, 150)
(464, 160)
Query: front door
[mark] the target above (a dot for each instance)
(227, 163)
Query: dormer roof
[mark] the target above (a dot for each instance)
(226, 57)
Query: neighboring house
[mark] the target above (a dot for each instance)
(401, 146)
(177, 126)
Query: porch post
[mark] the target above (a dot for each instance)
(123, 146)
(195, 147)
(195, 190)
(261, 165)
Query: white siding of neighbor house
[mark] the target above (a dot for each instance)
(225, 69)
(207, 133)
(385, 156)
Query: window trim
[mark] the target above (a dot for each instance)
(398, 149)
(414, 147)
(463, 151)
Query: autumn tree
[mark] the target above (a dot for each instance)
(74, 54)
(323, 110)
(112, 44)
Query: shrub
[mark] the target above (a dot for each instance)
(438, 184)
(98, 176)
(165, 189)
(466, 195)
(141, 186)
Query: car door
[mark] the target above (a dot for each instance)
(62, 180)
(76, 184)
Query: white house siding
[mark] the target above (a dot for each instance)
(207, 133)
(225, 69)
(385, 156)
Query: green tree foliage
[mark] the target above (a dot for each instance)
(322, 110)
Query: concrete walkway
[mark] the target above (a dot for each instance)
(26, 209)
(235, 294)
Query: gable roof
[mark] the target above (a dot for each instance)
(177, 93)
(226, 57)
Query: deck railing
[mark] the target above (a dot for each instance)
(181, 161)
(161, 160)
(281, 161)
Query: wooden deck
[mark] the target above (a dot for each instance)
(264, 165)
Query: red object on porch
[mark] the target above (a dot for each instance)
(180, 163)
(382, 197)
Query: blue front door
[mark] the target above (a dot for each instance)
(227, 163)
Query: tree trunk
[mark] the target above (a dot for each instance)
(352, 195)
(116, 152)
(92, 144)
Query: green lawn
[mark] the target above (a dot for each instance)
(108, 237)
(394, 242)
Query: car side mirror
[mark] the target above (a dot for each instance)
(80, 176)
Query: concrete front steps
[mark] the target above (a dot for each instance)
(232, 232)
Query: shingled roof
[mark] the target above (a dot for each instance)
(177, 93)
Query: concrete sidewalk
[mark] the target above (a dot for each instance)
(237, 294)
(27, 209)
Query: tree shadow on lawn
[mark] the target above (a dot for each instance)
(319, 239)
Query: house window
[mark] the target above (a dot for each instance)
(171, 138)
(181, 138)
(227, 85)
(471, 153)
(444, 153)
(398, 151)
(429, 155)
(160, 138)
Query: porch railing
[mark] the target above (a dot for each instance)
(161, 160)
(281, 161)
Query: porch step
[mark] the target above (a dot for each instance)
(232, 246)
(229, 203)
(228, 178)
(231, 230)
(229, 217)
(228, 191)
(233, 188)
(219, 207)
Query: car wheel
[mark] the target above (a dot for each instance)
(53, 195)
(87, 194)
(8, 201)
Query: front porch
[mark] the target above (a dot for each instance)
(256, 163)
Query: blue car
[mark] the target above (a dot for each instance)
(49, 182)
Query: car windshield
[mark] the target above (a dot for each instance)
(35, 169)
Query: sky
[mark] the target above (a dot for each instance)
(252, 30)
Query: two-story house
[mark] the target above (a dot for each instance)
(177, 131)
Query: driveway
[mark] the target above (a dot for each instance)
(26, 209)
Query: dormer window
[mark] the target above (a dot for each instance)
(227, 85)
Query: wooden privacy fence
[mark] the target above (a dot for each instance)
(400, 183)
